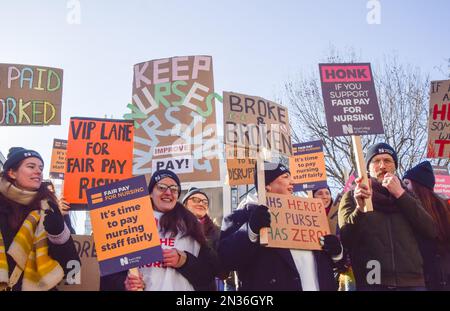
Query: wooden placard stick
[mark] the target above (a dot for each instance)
(262, 156)
(361, 167)
(263, 233)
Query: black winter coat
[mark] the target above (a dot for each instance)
(262, 268)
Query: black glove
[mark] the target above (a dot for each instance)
(259, 218)
(54, 221)
(331, 244)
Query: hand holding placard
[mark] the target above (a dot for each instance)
(362, 194)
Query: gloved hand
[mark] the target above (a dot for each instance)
(259, 218)
(331, 244)
(54, 221)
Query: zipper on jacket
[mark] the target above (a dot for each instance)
(392, 250)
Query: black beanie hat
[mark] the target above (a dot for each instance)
(192, 191)
(380, 148)
(315, 190)
(17, 154)
(423, 174)
(161, 174)
(271, 172)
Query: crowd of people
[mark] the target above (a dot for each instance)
(403, 244)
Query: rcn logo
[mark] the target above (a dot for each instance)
(347, 128)
(124, 261)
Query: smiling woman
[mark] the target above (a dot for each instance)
(30, 219)
(188, 262)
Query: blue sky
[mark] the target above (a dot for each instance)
(256, 45)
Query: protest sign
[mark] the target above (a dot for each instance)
(296, 222)
(174, 111)
(240, 171)
(58, 161)
(99, 152)
(88, 278)
(442, 177)
(307, 166)
(439, 120)
(351, 105)
(255, 128)
(124, 226)
(442, 185)
(252, 124)
(349, 183)
(30, 95)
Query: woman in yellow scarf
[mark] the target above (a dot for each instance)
(35, 245)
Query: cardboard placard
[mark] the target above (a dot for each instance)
(307, 166)
(99, 152)
(124, 226)
(349, 183)
(240, 171)
(439, 120)
(58, 162)
(296, 223)
(173, 109)
(252, 124)
(89, 278)
(351, 105)
(30, 95)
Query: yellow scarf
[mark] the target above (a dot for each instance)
(29, 249)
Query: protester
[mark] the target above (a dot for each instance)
(435, 252)
(383, 247)
(35, 243)
(188, 263)
(197, 202)
(265, 268)
(325, 195)
(330, 207)
(344, 274)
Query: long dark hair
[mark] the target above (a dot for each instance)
(437, 208)
(179, 219)
(17, 212)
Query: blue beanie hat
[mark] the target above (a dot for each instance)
(271, 172)
(380, 148)
(17, 154)
(192, 191)
(158, 175)
(315, 190)
(423, 174)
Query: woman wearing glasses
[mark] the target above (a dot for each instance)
(197, 202)
(188, 262)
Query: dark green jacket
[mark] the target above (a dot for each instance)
(387, 237)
